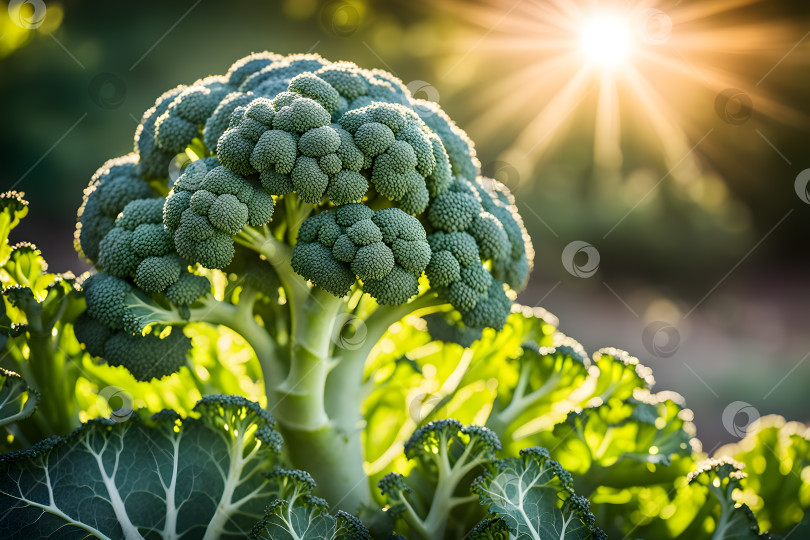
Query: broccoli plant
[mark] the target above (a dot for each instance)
(314, 319)
(321, 199)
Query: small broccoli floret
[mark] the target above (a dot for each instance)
(92, 333)
(314, 87)
(208, 204)
(154, 160)
(187, 289)
(452, 212)
(387, 250)
(139, 247)
(154, 274)
(147, 357)
(315, 262)
(114, 185)
(459, 147)
(247, 66)
(181, 122)
(105, 296)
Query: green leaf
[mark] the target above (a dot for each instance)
(298, 515)
(26, 267)
(440, 379)
(17, 399)
(731, 520)
(548, 376)
(534, 496)
(170, 477)
(777, 454)
(12, 209)
(434, 499)
(307, 519)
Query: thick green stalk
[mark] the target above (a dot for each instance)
(299, 400)
(350, 359)
(316, 443)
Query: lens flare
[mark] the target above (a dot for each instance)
(605, 39)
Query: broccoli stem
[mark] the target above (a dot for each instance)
(501, 419)
(349, 361)
(315, 442)
(299, 399)
(240, 319)
(318, 403)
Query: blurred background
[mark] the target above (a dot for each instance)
(658, 151)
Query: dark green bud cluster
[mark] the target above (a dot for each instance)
(180, 123)
(387, 250)
(117, 316)
(139, 247)
(113, 186)
(407, 160)
(145, 357)
(208, 204)
(474, 224)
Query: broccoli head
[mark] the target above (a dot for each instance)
(314, 136)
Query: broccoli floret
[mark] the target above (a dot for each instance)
(314, 87)
(387, 250)
(247, 66)
(181, 122)
(140, 248)
(154, 274)
(459, 147)
(187, 289)
(106, 296)
(154, 160)
(208, 204)
(92, 333)
(147, 357)
(113, 186)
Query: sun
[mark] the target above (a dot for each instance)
(606, 39)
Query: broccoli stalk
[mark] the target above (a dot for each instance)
(318, 418)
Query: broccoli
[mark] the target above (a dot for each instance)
(315, 191)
